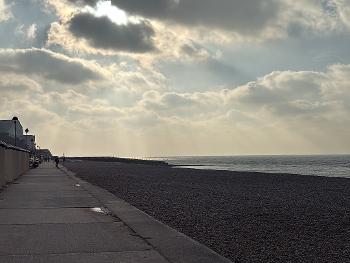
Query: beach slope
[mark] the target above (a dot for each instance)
(247, 217)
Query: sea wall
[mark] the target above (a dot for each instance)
(14, 162)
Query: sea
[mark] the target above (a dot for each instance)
(319, 165)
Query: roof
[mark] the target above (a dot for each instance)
(9, 122)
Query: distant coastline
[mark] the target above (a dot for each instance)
(317, 165)
(312, 165)
(120, 160)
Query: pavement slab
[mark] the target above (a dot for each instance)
(106, 257)
(50, 216)
(68, 238)
(49, 202)
(53, 216)
(45, 216)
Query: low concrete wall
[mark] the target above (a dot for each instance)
(14, 162)
(2, 165)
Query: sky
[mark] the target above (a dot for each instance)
(178, 77)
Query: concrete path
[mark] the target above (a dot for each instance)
(48, 215)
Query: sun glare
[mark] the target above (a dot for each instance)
(105, 8)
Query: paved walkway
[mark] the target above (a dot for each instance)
(49, 216)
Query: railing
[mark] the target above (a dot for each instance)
(14, 162)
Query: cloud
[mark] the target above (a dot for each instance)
(294, 95)
(183, 105)
(280, 96)
(313, 17)
(282, 112)
(48, 65)
(5, 12)
(228, 21)
(102, 33)
(84, 2)
(29, 113)
(32, 31)
(28, 33)
(343, 9)
(247, 17)
(184, 97)
(193, 50)
(14, 86)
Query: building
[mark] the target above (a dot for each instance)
(11, 132)
(11, 127)
(44, 154)
(30, 142)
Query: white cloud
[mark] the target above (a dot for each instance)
(32, 31)
(295, 105)
(343, 8)
(5, 12)
(29, 33)
(282, 112)
(14, 85)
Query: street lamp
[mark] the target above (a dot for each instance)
(15, 119)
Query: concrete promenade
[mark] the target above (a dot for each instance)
(48, 215)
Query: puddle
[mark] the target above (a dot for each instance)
(100, 210)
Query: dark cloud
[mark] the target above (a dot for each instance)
(47, 64)
(246, 17)
(236, 15)
(101, 32)
(83, 2)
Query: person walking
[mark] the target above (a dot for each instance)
(57, 160)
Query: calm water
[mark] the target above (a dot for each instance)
(321, 165)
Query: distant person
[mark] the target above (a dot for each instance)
(57, 161)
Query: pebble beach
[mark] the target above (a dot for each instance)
(246, 217)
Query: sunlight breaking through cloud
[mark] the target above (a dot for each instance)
(180, 77)
(116, 15)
